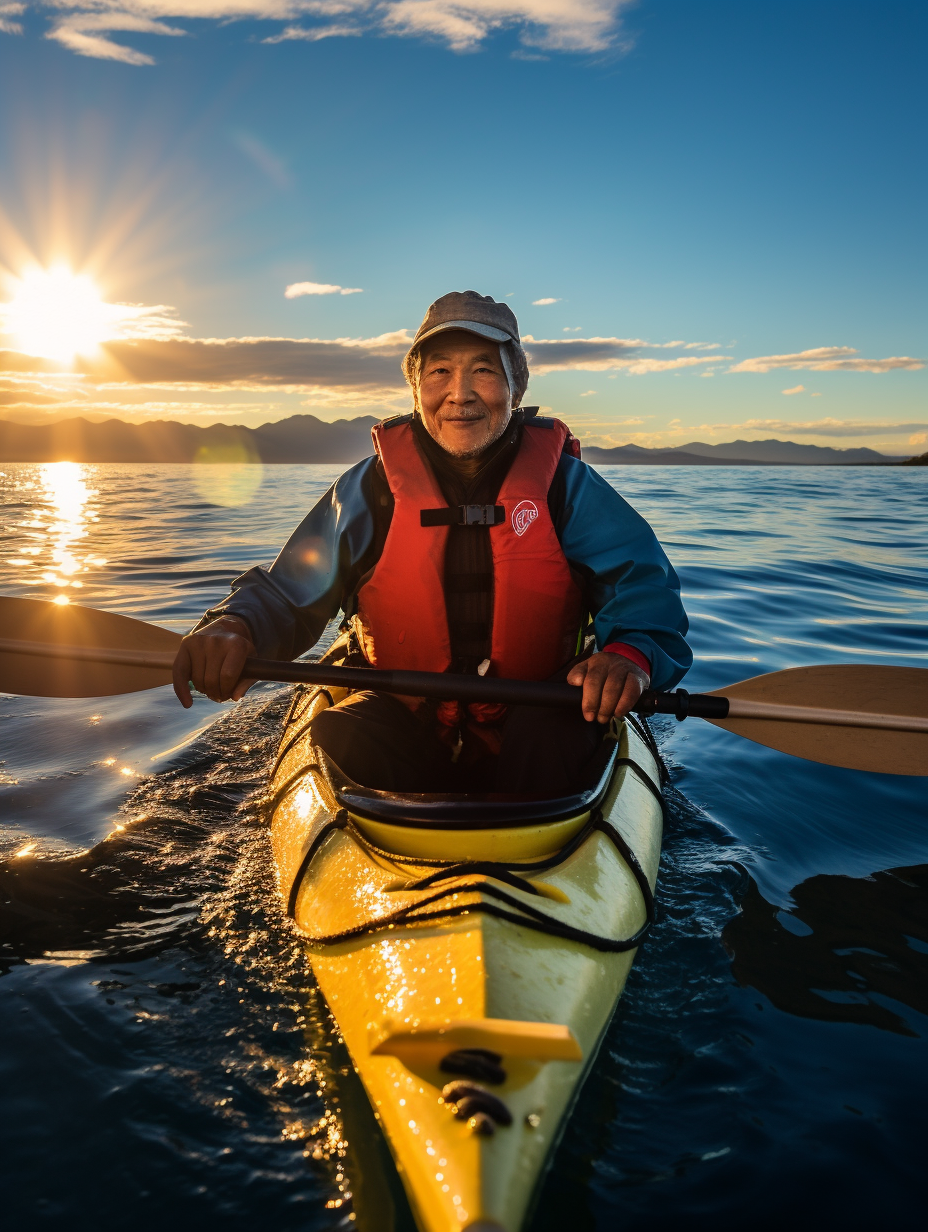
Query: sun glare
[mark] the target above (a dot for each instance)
(57, 314)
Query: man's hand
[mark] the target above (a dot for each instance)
(611, 684)
(212, 660)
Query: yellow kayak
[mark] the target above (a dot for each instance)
(472, 951)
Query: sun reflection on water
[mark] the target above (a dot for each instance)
(59, 523)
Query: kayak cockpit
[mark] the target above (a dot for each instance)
(473, 811)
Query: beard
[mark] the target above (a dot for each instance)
(488, 437)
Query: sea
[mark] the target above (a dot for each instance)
(165, 1058)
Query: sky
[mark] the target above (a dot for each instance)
(709, 218)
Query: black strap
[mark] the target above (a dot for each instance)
(524, 915)
(643, 728)
(339, 822)
(463, 515)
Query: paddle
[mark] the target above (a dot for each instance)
(864, 717)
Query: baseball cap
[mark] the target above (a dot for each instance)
(478, 314)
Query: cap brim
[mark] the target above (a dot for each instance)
(472, 327)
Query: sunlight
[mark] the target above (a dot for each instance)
(57, 314)
(68, 494)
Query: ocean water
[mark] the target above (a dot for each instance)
(163, 1053)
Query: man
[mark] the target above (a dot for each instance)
(474, 541)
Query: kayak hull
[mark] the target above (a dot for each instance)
(419, 976)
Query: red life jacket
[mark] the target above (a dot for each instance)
(537, 606)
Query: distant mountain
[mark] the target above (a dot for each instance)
(786, 452)
(634, 455)
(919, 460)
(738, 453)
(301, 438)
(304, 438)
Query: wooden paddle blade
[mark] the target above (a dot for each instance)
(840, 686)
(36, 620)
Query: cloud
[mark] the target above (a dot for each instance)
(296, 289)
(7, 13)
(590, 393)
(461, 25)
(796, 389)
(826, 359)
(84, 33)
(602, 355)
(150, 350)
(538, 303)
(369, 364)
(313, 34)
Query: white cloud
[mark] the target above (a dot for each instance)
(826, 359)
(296, 289)
(312, 34)
(84, 33)
(538, 303)
(461, 25)
(640, 367)
(554, 25)
(590, 393)
(796, 389)
(7, 12)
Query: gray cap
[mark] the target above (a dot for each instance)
(478, 314)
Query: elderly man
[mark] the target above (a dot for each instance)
(475, 540)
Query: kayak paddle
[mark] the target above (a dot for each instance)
(864, 717)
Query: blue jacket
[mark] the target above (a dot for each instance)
(632, 589)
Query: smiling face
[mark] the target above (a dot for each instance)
(463, 393)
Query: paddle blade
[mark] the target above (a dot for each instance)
(870, 687)
(36, 620)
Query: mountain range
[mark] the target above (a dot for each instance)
(301, 438)
(738, 453)
(304, 438)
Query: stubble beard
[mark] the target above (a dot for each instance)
(474, 451)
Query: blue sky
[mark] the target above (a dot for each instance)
(744, 181)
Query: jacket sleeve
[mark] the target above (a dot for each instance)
(288, 605)
(633, 591)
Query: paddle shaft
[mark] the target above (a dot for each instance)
(445, 686)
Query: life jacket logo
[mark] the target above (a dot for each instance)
(523, 516)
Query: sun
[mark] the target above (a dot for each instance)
(57, 314)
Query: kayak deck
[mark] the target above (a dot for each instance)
(472, 953)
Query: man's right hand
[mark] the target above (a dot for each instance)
(212, 660)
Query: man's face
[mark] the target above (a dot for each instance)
(464, 396)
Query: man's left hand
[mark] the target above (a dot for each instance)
(611, 684)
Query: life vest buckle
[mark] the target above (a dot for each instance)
(482, 515)
(464, 515)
